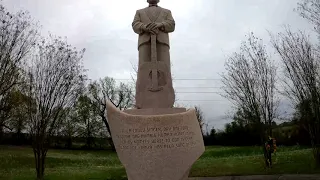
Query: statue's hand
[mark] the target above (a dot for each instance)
(145, 28)
(153, 26)
(154, 31)
(150, 28)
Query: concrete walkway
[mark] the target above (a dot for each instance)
(264, 177)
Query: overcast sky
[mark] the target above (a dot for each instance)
(206, 32)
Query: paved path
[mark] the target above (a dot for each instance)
(264, 177)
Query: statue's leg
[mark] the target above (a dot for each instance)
(163, 52)
(144, 56)
(163, 55)
(144, 53)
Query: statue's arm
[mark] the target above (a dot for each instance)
(169, 24)
(137, 24)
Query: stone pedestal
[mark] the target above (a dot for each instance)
(155, 111)
(156, 144)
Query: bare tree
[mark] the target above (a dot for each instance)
(55, 80)
(200, 118)
(250, 84)
(106, 90)
(301, 62)
(310, 10)
(17, 38)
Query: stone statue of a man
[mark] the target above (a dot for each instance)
(154, 22)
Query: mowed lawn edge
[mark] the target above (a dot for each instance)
(18, 163)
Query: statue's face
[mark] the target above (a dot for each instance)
(153, 1)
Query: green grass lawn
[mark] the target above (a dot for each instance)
(17, 163)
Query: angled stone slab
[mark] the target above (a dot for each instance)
(156, 147)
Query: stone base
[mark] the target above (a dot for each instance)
(156, 144)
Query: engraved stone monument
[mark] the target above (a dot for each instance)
(155, 141)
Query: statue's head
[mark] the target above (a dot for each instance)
(153, 1)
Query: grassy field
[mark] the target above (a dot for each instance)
(17, 163)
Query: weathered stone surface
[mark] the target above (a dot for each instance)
(155, 111)
(154, 82)
(156, 147)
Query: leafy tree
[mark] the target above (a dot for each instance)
(106, 90)
(68, 127)
(89, 126)
(18, 114)
(213, 132)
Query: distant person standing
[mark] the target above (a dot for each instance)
(270, 147)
